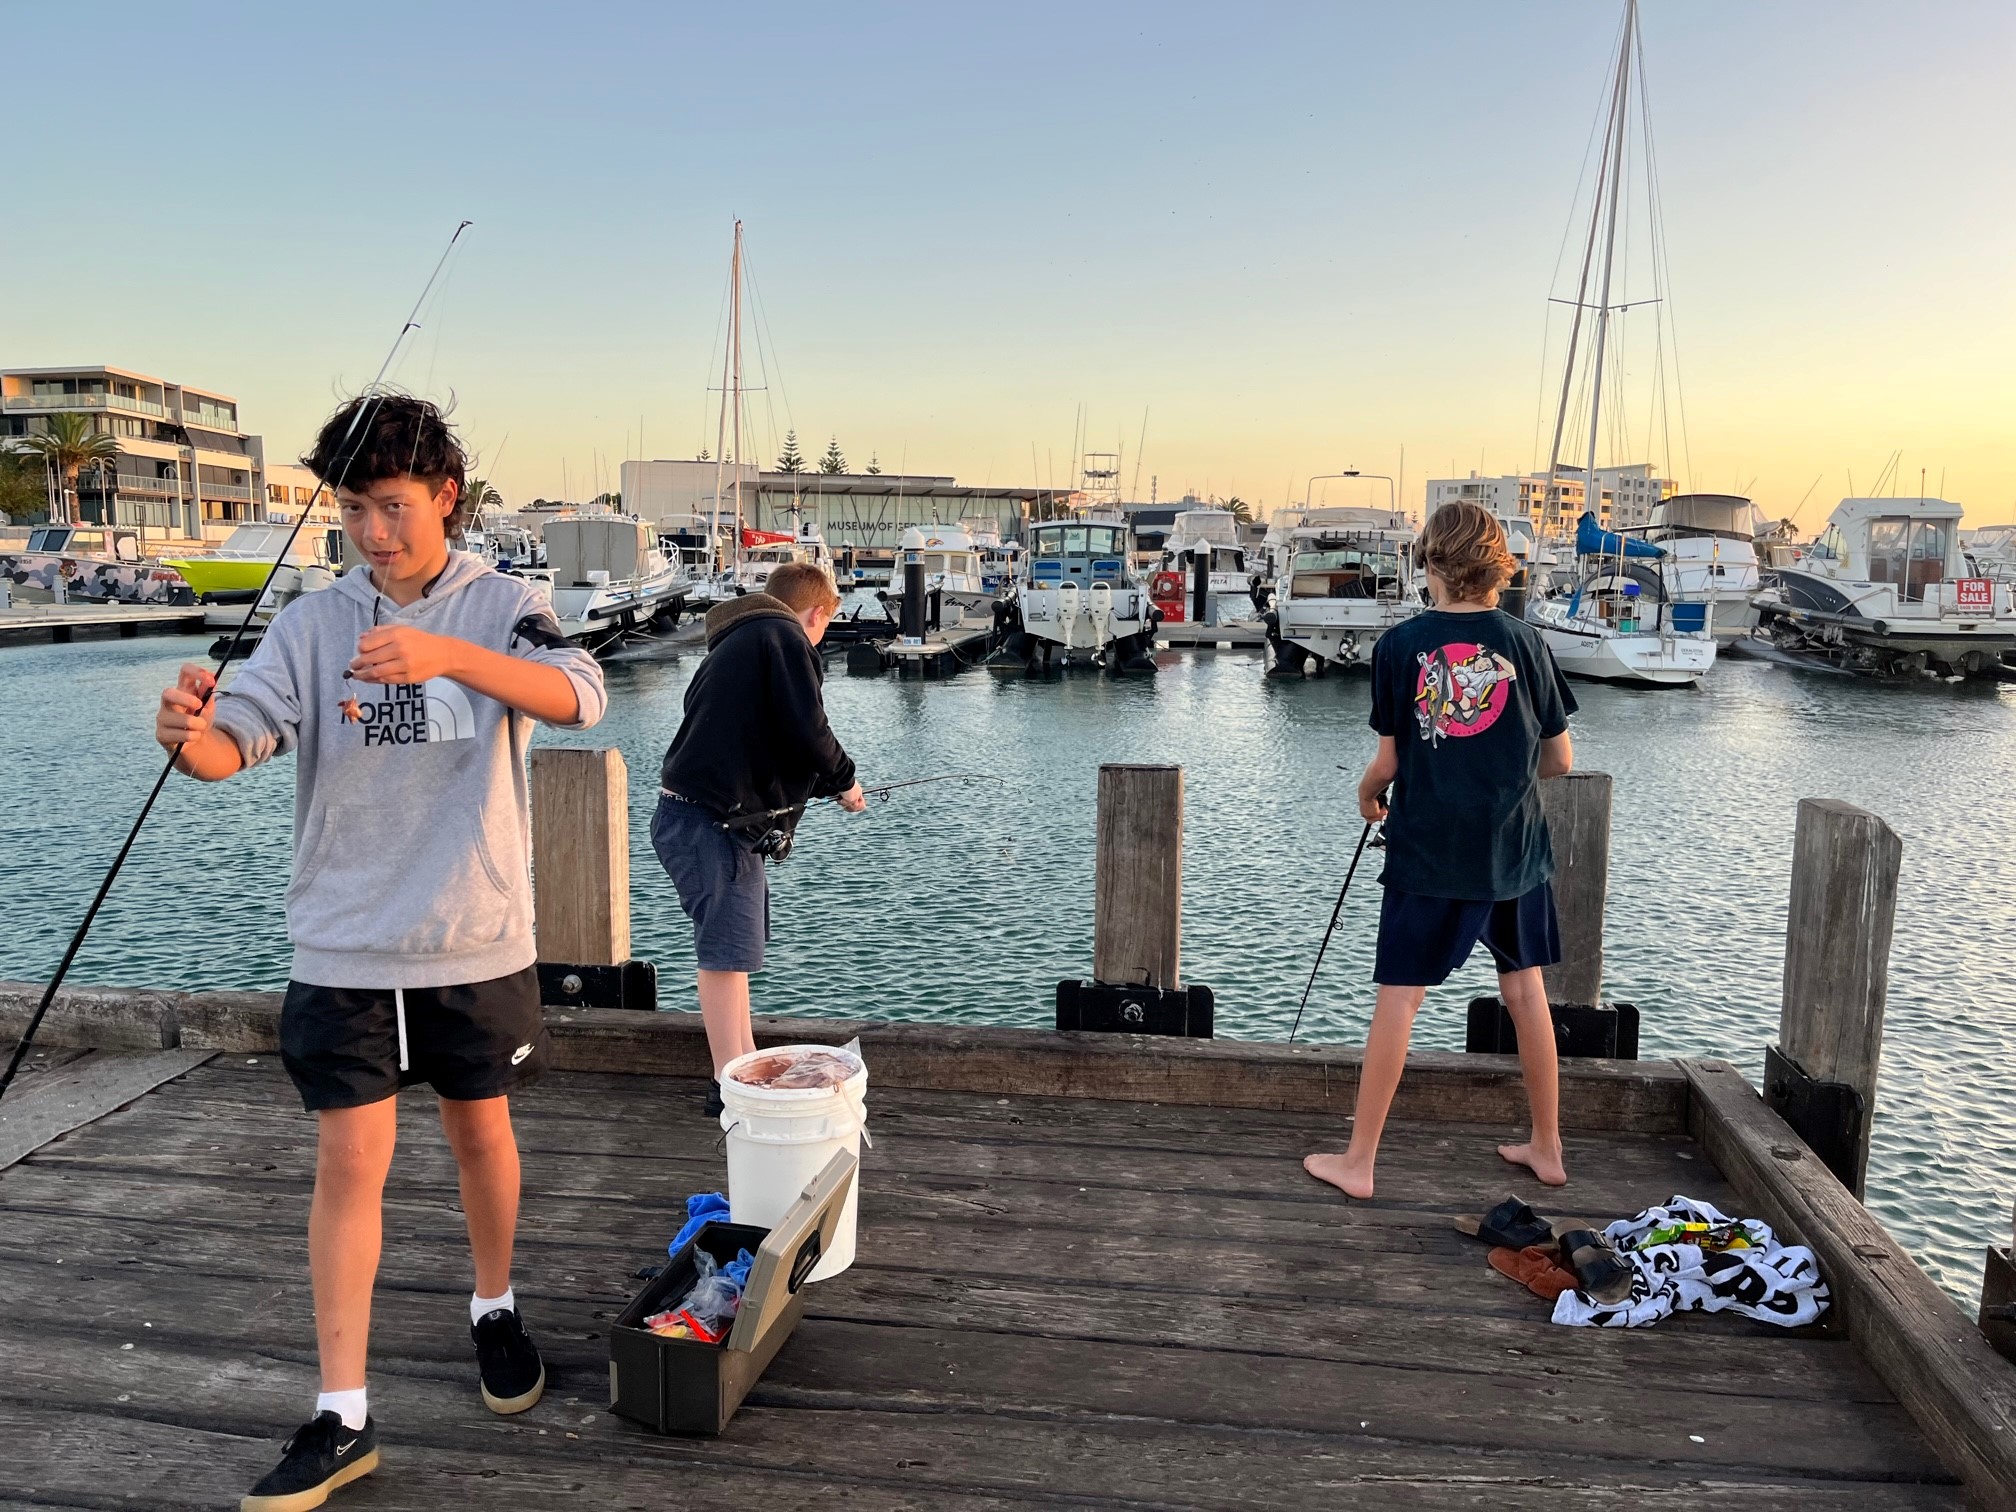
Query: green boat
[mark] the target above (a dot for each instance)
(238, 569)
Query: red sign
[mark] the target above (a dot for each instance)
(1974, 593)
(754, 538)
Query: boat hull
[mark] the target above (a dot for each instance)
(33, 577)
(1602, 654)
(211, 576)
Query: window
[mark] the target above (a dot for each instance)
(1929, 542)
(1074, 540)
(1105, 540)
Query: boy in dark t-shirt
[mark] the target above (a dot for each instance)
(1470, 711)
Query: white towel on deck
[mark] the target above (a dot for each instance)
(1771, 1282)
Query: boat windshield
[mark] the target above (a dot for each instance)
(1075, 540)
(1381, 561)
(49, 540)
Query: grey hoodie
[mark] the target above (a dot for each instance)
(412, 833)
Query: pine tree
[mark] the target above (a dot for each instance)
(790, 460)
(874, 467)
(705, 455)
(835, 461)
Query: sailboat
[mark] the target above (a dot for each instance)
(1617, 619)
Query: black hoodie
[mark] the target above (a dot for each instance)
(755, 735)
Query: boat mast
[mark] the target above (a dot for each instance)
(735, 350)
(1592, 497)
(721, 439)
(1612, 148)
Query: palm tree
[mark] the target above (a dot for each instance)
(1240, 510)
(482, 494)
(70, 445)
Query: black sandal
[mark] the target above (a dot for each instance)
(1511, 1225)
(1601, 1274)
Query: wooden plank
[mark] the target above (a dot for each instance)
(581, 855)
(1845, 863)
(1577, 807)
(1639, 1096)
(1962, 1394)
(55, 1102)
(811, 1461)
(1138, 876)
(103, 1018)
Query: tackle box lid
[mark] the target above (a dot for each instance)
(791, 1251)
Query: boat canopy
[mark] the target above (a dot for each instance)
(1717, 514)
(1592, 539)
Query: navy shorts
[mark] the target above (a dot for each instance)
(1422, 940)
(721, 886)
(342, 1045)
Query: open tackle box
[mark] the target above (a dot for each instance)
(689, 1386)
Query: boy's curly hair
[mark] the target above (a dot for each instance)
(395, 436)
(1464, 545)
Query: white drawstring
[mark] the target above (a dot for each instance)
(399, 1012)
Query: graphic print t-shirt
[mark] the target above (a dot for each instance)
(1467, 698)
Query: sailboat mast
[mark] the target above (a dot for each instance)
(735, 347)
(720, 449)
(1593, 498)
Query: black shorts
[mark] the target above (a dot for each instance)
(1422, 939)
(481, 1039)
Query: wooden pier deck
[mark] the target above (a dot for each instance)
(63, 623)
(1135, 1300)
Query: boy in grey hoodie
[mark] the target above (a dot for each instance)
(407, 693)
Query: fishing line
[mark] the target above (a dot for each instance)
(374, 393)
(1335, 913)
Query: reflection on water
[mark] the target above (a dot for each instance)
(966, 902)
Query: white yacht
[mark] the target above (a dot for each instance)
(1887, 589)
(500, 540)
(1710, 546)
(953, 569)
(1617, 620)
(764, 551)
(1350, 575)
(1077, 599)
(609, 575)
(1991, 551)
(1212, 536)
(998, 558)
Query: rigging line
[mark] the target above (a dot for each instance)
(374, 392)
(1663, 260)
(1140, 446)
(707, 367)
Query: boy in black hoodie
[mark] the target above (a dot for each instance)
(754, 739)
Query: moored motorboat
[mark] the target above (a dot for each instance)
(91, 563)
(952, 568)
(1709, 541)
(1077, 600)
(609, 576)
(1349, 576)
(1887, 590)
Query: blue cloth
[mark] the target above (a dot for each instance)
(721, 886)
(1592, 539)
(737, 1270)
(701, 1209)
(1422, 940)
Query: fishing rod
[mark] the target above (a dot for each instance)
(775, 842)
(374, 392)
(1335, 914)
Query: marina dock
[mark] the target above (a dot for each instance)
(63, 623)
(1092, 1273)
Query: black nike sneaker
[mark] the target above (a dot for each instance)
(321, 1456)
(513, 1375)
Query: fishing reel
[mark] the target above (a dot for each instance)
(773, 845)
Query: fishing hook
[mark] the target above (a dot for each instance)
(374, 392)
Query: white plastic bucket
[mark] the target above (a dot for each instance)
(779, 1138)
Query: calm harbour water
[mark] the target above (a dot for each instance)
(966, 902)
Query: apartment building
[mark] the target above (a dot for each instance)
(1624, 500)
(184, 469)
(290, 489)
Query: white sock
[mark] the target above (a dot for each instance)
(482, 1307)
(348, 1405)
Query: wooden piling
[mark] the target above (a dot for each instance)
(1578, 822)
(581, 855)
(1845, 862)
(1138, 876)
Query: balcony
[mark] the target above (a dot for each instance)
(235, 491)
(27, 402)
(208, 419)
(91, 481)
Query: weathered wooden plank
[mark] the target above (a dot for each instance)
(104, 1018)
(1962, 1394)
(894, 1460)
(1637, 1096)
(1845, 863)
(53, 1103)
(581, 855)
(1138, 876)
(1578, 825)
(222, 1296)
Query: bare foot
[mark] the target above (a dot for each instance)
(1352, 1177)
(1546, 1164)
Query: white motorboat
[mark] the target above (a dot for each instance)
(1888, 590)
(1618, 621)
(1077, 599)
(1350, 576)
(1210, 537)
(1709, 540)
(609, 576)
(998, 558)
(501, 541)
(953, 569)
(1991, 552)
(764, 551)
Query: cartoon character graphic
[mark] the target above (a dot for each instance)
(1461, 691)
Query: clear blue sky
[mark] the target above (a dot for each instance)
(1300, 236)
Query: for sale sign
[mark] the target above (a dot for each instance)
(1974, 595)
